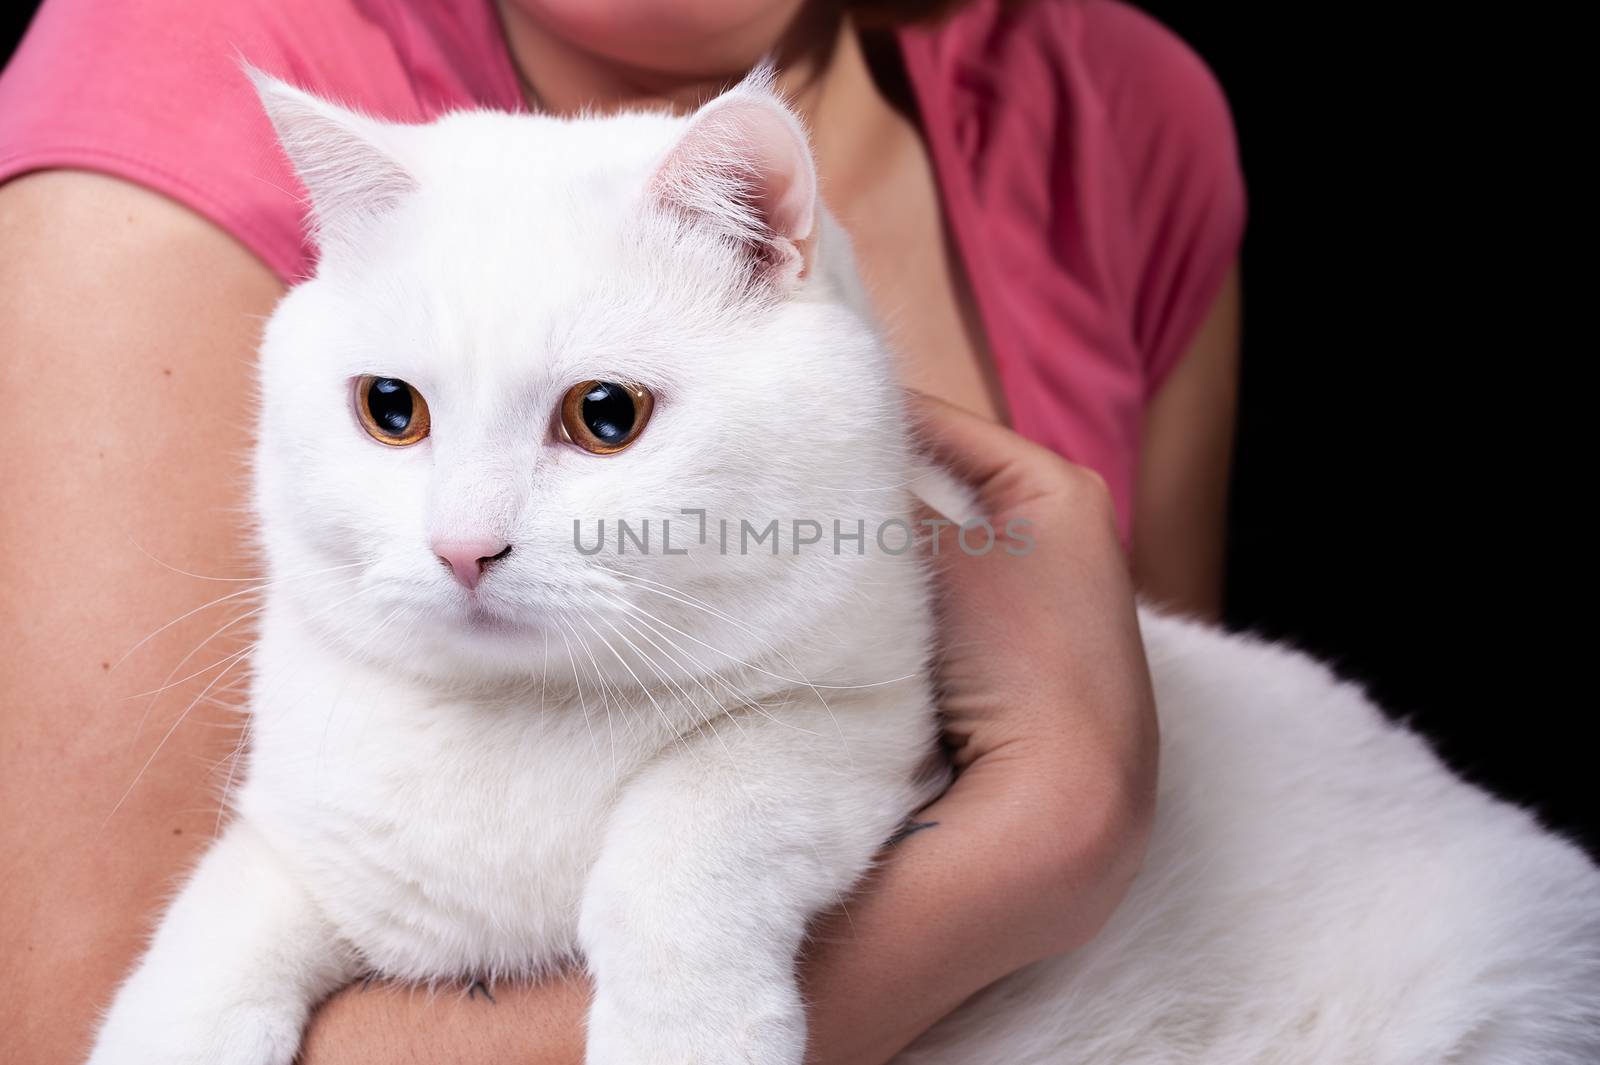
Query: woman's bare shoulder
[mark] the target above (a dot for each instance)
(88, 219)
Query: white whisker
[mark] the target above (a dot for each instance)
(167, 736)
(649, 586)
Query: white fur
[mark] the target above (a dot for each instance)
(666, 764)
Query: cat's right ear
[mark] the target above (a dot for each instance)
(349, 172)
(744, 167)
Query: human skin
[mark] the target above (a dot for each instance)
(129, 426)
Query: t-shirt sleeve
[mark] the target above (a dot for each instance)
(155, 92)
(1175, 136)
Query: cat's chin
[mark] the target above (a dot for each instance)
(477, 646)
(479, 619)
(479, 637)
(470, 640)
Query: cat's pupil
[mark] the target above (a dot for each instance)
(389, 400)
(608, 412)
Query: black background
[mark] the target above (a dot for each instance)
(1401, 497)
(1395, 507)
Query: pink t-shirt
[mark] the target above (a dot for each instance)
(1085, 156)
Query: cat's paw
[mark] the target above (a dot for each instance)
(771, 1031)
(244, 1035)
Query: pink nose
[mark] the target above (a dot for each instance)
(468, 559)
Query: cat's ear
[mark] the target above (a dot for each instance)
(744, 166)
(349, 172)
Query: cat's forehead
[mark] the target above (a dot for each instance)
(531, 209)
(538, 174)
(526, 234)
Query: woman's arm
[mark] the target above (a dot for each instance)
(1180, 512)
(127, 331)
(951, 909)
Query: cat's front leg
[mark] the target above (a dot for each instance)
(234, 968)
(713, 863)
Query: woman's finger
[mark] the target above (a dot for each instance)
(1011, 475)
(973, 447)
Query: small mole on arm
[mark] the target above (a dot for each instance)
(105, 665)
(166, 371)
(177, 831)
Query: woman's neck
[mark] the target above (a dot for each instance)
(822, 70)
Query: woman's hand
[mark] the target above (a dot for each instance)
(1044, 691)
(1050, 719)
(1051, 725)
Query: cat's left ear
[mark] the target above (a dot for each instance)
(744, 166)
(344, 159)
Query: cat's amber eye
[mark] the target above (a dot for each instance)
(603, 417)
(391, 411)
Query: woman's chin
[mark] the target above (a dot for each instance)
(666, 37)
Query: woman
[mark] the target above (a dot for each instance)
(1047, 207)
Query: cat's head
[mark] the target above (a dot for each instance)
(522, 327)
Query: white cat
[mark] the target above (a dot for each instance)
(478, 750)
